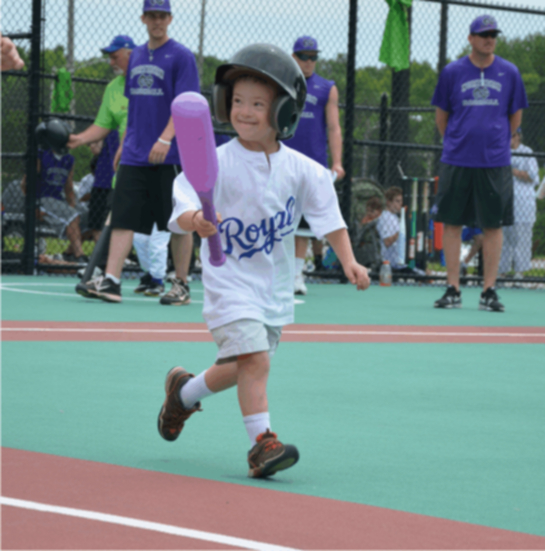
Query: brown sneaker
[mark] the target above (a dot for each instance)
(173, 415)
(270, 455)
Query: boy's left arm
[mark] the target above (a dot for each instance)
(69, 189)
(356, 273)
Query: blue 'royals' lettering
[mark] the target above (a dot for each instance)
(258, 237)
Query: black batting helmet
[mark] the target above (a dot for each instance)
(270, 62)
(53, 134)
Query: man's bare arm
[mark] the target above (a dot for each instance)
(92, 134)
(441, 120)
(334, 133)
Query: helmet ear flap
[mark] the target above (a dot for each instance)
(221, 102)
(284, 116)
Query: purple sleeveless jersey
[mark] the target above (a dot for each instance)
(311, 134)
(104, 171)
(154, 79)
(53, 174)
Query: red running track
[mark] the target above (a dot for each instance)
(198, 332)
(254, 513)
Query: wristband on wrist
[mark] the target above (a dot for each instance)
(164, 142)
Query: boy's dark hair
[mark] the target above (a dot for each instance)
(392, 192)
(374, 204)
(270, 63)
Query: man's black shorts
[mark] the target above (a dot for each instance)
(98, 207)
(481, 197)
(142, 196)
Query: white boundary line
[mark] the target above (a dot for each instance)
(143, 525)
(125, 298)
(285, 332)
(8, 287)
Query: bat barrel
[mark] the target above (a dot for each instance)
(197, 149)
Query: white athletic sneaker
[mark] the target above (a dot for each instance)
(299, 285)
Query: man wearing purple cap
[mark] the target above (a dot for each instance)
(319, 124)
(158, 71)
(479, 100)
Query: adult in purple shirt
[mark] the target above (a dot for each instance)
(158, 71)
(318, 126)
(479, 100)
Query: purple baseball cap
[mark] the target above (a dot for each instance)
(304, 43)
(157, 5)
(120, 41)
(483, 23)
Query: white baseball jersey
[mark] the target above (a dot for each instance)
(261, 205)
(524, 192)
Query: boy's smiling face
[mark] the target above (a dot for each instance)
(250, 113)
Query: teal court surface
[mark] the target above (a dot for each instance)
(418, 428)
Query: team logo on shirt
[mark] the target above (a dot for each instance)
(145, 79)
(258, 237)
(480, 90)
(56, 176)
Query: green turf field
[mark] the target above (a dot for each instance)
(448, 430)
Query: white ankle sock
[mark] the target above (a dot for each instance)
(256, 424)
(299, 265)
(194, 390)
(116, 280)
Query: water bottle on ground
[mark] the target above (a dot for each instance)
(385, 274)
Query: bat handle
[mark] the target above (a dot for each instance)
(217, 256)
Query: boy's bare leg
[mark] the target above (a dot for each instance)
(182, 246)
(221, 377)
(253, 373)
(74, 236)
(492, 244)
(120, 247)
(452, 242)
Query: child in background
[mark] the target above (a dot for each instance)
(366, 240)
(263, 188)
(388, 226)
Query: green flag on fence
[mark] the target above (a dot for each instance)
(62, 93)
(395, 47)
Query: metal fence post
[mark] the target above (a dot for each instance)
(31, 155)
(442, 61)
(383, 137)
(348, 142)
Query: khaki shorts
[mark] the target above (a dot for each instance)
(58, 214)
(245, 337)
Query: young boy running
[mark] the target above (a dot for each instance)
(262, 190)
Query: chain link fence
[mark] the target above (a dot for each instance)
(386, 117)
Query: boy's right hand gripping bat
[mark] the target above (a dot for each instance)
(197, 148)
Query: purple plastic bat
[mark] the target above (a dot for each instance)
(197, 148)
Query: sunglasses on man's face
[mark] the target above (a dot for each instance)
(306, 57)
(488, 34)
